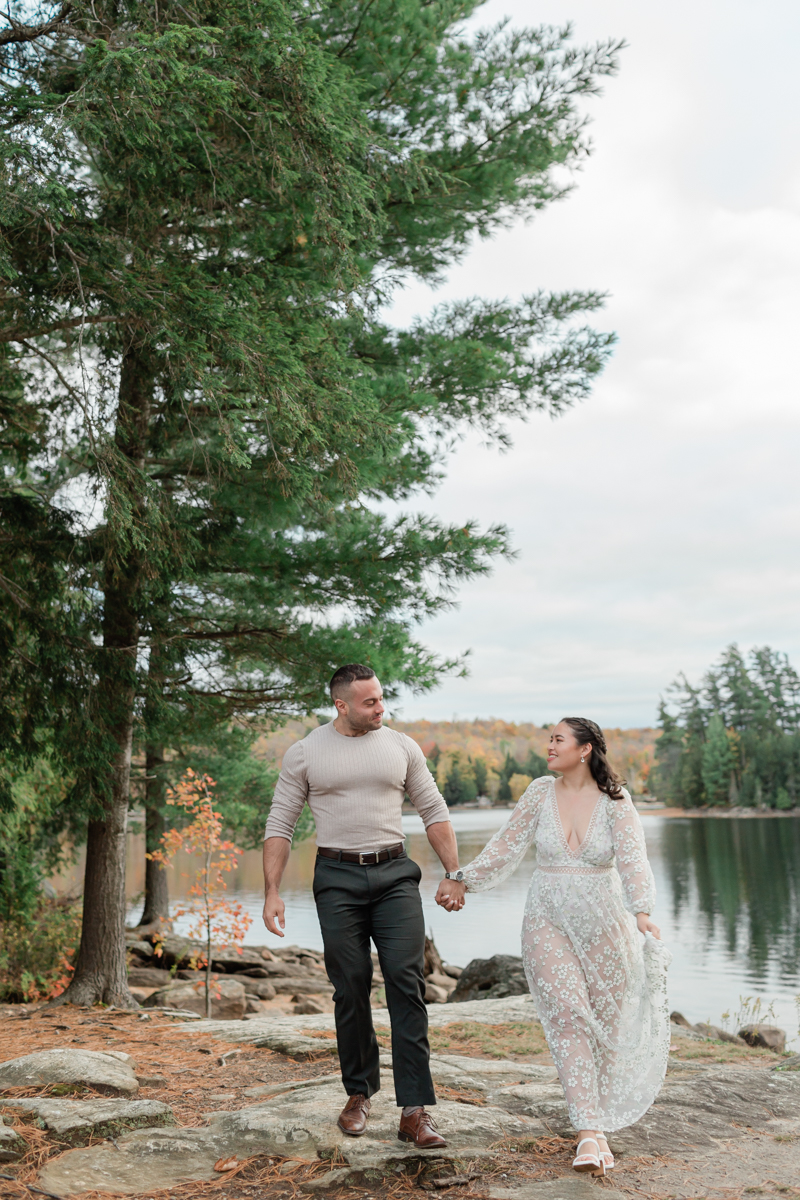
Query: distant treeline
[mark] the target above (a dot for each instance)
(467, 778)
(735, 739)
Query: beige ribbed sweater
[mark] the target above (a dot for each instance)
(354, 787)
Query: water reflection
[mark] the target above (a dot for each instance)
(741, 878)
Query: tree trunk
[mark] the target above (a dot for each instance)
(156, 883)
(100, 971)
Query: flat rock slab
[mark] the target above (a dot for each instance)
(708, 1105)
(75, 1122)
(299, 1123)
(278, 1032)
(111, 1072)
(570, 1187)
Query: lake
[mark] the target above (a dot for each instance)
(728, 906)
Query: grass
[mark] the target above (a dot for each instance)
(514, 1040)
(721, 1052)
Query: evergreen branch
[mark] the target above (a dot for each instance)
(20, 335)
(29, 33)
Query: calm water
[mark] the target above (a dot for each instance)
(729, 906)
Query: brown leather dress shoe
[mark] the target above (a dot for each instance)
(419, 1127)
(353, 1117)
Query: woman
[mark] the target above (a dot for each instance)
(599, 986)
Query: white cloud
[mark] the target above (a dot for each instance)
(661, 519)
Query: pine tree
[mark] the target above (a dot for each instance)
(199, 226)
(717, 761)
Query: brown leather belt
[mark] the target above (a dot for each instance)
(363, 859)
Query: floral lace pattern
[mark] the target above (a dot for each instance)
(601, 989)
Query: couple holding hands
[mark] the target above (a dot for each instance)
(599, 986)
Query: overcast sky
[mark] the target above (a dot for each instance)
(659, 520)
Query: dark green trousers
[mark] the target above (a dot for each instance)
(381, 902)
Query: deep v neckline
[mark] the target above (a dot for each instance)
(589, 828)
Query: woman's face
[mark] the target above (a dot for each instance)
(564, 752)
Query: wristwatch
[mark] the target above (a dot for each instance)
(457, 875)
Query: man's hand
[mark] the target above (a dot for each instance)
(276, 856)
(645, 925)
(451, 895)
(274, 913)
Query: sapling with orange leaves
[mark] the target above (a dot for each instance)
(215, 918)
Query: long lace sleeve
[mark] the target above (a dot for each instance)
(501, 856)
(631, 856)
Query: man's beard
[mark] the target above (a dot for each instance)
(364, 722)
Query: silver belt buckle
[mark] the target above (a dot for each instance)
(361, 858)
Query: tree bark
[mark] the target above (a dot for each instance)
(156, 883)
(100, 971)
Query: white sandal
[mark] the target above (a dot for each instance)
(606, 1157)
(588, 1162)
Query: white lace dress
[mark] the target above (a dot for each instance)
(601, 989)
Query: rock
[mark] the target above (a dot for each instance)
(331, 1179)
(227, 999)
(178, 951)
(434, 994)
(75, 1122)
(704, 1105)
(148, 977)
(441, 981)
(321, 986)
(12, 1146)
(789, 1064)
(296, 1124)
(491, 978)
(262, 989)
(152, 1081)
(308, 1006)
(142, 949)
(293, 1044)
(453, 972)
(685, 1032)
(110, 1072)
(766, 1036)
(486, 1012)
(570, 1187)
(719, 1035)
(254, 973)
(253, 1005)
(677, 1018)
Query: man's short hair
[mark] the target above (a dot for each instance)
(347, 675)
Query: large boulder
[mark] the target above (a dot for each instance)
(228, 1001)
(150, 977)
(76, 1122)
(261, 989)
(768, 1037)
(491, 979)
(110, 1072)
(175, 951)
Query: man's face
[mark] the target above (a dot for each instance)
(362, 704)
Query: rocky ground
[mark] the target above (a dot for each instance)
(151, 1105)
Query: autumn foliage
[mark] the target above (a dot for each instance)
(213, 918)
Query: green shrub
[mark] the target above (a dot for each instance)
(36, 950)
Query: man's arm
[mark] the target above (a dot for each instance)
(275, 857)
(450, 894)
(291, 792)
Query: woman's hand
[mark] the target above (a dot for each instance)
(647, 926)
(450, 895)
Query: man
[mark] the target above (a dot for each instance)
(354, 773)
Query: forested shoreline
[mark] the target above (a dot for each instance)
(733, 740)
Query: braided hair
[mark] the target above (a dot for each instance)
(602, 773)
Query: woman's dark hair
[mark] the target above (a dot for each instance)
(587, 731)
